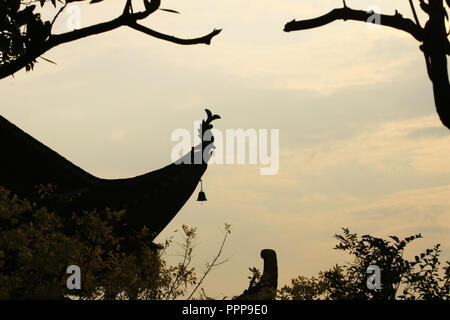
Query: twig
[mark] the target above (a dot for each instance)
(57, 15)
(212, 265)
(183, 267)
(414, 13)
(205, 39)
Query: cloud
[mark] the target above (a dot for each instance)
(117, 135)
(385, 147)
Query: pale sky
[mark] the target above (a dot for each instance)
(361, 145)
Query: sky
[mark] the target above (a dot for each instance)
(361, 145)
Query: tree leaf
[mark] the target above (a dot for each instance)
(396, 239)
(170, 10)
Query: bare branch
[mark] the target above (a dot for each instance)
(396, 21)
(205, 39)
(214, 263)
(425, 7)
(433, 37)
(413, 9)
(128, 8)
(57, 15)
(58, 39)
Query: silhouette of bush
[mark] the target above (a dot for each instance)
(419, 279)
(25, 35)
(35, 251)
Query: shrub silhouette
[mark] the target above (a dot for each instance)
(35, 251)
(401, 279)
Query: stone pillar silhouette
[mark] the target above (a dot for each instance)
(266, 288)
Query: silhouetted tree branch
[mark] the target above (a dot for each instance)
(214, 263)
(433, 38)
(205, 39)
(38, 39)
(396, 21)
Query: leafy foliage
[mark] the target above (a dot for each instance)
(35, 252)
(21, 30)
(401, 279)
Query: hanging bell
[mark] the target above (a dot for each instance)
(201, 195)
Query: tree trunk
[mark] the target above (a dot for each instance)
(434, 47)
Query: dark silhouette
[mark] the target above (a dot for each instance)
(152, 199)
(24, 36)
(424, 277)
(433, 38)
(266, 288)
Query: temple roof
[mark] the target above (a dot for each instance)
(151, 199)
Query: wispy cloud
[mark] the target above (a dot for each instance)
(388, 147)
